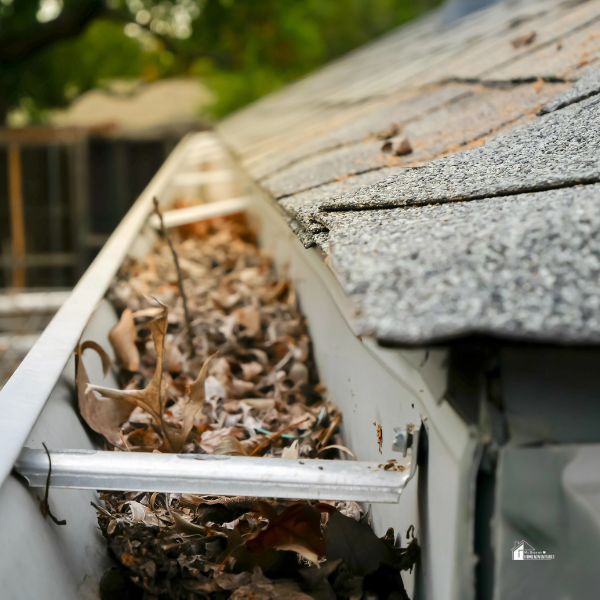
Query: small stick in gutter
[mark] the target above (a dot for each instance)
(44, 506)
(188, 321)
(276, 436)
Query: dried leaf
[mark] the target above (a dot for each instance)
(152, 398)
(210, 440)
(122, 338)
(291, 452)
(297, 528)
(230, 446)
(403, 148)
(389, 132)
(173, 359)
(183, 525)
(298, 373)
(337, 447)
(397, 147)
(276, 590)
(315, 578)
(249, 318)
(142, 514)
(356, 544)
(326, 435)
(277, 435)
(214, 389)
(191, 408)
(103, 416)
(142, 440)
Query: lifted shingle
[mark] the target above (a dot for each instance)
(588, 85)
(556, 150)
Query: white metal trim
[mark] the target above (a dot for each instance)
(24, 395)
(192, 214)
(216, 475)
(202, 177)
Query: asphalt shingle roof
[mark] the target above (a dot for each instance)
(490, 225)
(524, 266)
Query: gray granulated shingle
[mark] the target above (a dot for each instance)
(322, 240)
(524, 267)
(558, 149)
(304, 206)
(320, 169)
(400, 111)
(588, 85)
(446, 129)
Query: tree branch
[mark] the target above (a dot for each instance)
(186, 313)
(121, 17)
(17, 47)
(72, 21)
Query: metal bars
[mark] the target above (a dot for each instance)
(215, 475)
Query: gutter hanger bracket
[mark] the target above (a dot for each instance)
(217, 475)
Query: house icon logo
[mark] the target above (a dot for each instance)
(524, 551)
(519, 550)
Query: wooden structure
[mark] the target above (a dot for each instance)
(62, 191)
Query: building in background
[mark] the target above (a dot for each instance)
(63, 189)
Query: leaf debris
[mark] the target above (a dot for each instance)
(250, 388)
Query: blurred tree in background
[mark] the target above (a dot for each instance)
(53, 50)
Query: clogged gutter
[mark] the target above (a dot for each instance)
(249, 387)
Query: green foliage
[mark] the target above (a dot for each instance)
(54, 77)
(242, 49)
(256, 47)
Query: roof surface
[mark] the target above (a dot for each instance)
(451, 175)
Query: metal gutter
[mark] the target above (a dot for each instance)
(24, 395)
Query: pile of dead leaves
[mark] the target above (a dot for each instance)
(247, 387)
(186, 546)
(250, 376)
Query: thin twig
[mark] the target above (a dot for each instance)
(329, 432)
(45, 507)
(188, 321)
(102, 510)
(276, 436)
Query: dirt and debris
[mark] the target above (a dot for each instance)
(397, 147)
(391, 131)
(186, 546)
(379, 435)
(523, 40)
(391, 465)
(250, 388)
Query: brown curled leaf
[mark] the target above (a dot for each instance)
(153, 397)
(103, 416)
(191, 408)
(182, 525)
(230, 446)
(297, 528)
(122, 338)
(356, 544)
